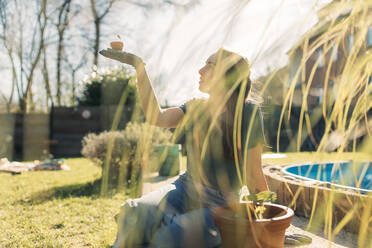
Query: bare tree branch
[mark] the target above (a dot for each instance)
(42, 22)
(97, 19)
(9, 47)
(74, 68)
(45, 73)
(62, 24)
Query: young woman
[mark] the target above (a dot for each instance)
(224, 136)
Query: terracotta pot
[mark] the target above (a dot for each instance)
(238, 231)
(117, 45)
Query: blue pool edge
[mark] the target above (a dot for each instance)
(322, 183)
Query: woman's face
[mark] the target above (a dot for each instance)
(206, 74)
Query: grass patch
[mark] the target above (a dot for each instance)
(312, 157)
(57, 208)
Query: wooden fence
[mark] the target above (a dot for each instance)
(35, 136)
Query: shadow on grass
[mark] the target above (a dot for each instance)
(90, 189)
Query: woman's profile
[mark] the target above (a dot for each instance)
(224, 137)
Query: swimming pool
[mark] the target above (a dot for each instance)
(345, 175)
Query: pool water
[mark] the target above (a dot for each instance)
(348, 175)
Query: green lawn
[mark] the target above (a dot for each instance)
(57, 209)
(304, 157)
(63, 208)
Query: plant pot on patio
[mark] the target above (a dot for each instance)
(237, 230)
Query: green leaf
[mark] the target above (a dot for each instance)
(266, 196)
(252, 197)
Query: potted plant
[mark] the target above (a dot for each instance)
(168, 159)
(256, 222)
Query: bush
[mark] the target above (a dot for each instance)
(110, 90)
(132, 149)
(106, 88)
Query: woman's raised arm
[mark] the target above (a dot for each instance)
(169, 117)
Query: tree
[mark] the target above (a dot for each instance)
(64, 17)
(46, 77)
(9, 46)
(30, 30)
(34, 60)
(99, 12)
(23, 49)
(73, 68)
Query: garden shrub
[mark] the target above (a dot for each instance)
(109, 90)
(106, 88)
(131, 151)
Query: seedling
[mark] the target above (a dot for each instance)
(256, 201)
(259, 200)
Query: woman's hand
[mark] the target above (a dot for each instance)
(123, 57)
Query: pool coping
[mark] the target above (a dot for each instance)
(300, 196)
(314, 181)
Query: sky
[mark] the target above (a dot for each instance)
(175, 43)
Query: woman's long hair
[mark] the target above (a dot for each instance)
(236, 78)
